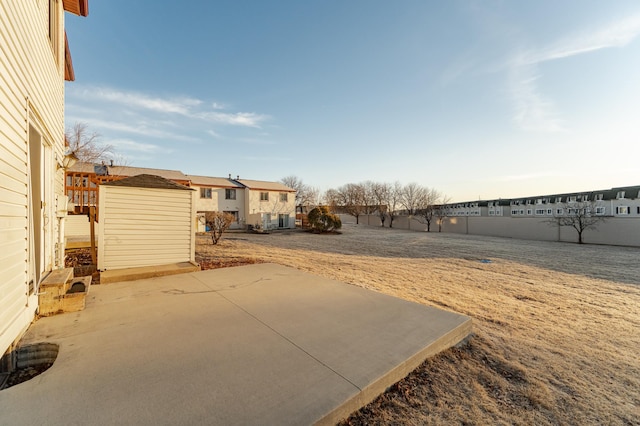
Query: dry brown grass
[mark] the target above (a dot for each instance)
(557, 326)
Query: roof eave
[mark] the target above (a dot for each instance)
(77, 7)
(69, 74)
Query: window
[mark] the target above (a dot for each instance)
(572, 199)
(539, 211)
(514, 212)
(264, 196)
(622, 210)
(529, 212)
(558, 199)
(600, 211)
(585, 198)
(491, 213)
(620, 195)
(599, 197)
(521, 211)
(205, 193)
(559, 211)
(529, 202)
(539, 201)
(284, 197)
(54, 29)
(230, 194)
(549, 212)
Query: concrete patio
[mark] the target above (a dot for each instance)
(259, 344)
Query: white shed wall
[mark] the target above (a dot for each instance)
(145, 227)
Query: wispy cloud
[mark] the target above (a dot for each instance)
(533, 111)
(182, 106)
(537, 112)
(248, 119)
(138, 100)
(129, 145)
(617, 34)
(140, 128)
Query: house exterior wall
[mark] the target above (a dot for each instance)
(233, 205)
(207, 204)
(259, 210)
(145, 227)
(219, 202)
(31, 139)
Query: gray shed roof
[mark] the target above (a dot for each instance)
(129, 171)
(148, 181)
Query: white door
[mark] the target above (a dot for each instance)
(36, 241)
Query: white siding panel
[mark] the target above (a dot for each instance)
(31, 81)
(144, 227)
(77, 226)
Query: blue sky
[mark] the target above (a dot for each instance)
(477, 99)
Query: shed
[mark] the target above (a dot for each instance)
(143, 221)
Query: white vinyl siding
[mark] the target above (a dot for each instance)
(145, 227)
(31, 88)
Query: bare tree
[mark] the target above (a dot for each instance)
(381, 194)
(580, 215)
(218, 222)
(331, 199)
(426, 210)
(314, 197)
(351, 198)
(392, 194)
(86, 145)
(442, 211)
(369, 197)
(413, 196)
(305, 194)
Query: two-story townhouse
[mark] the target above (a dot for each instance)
(219, 194)
(269, 205)
(34, 64)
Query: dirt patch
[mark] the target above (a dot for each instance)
(555, 324)
(80, 261)
(216, 263)
(24, 374)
